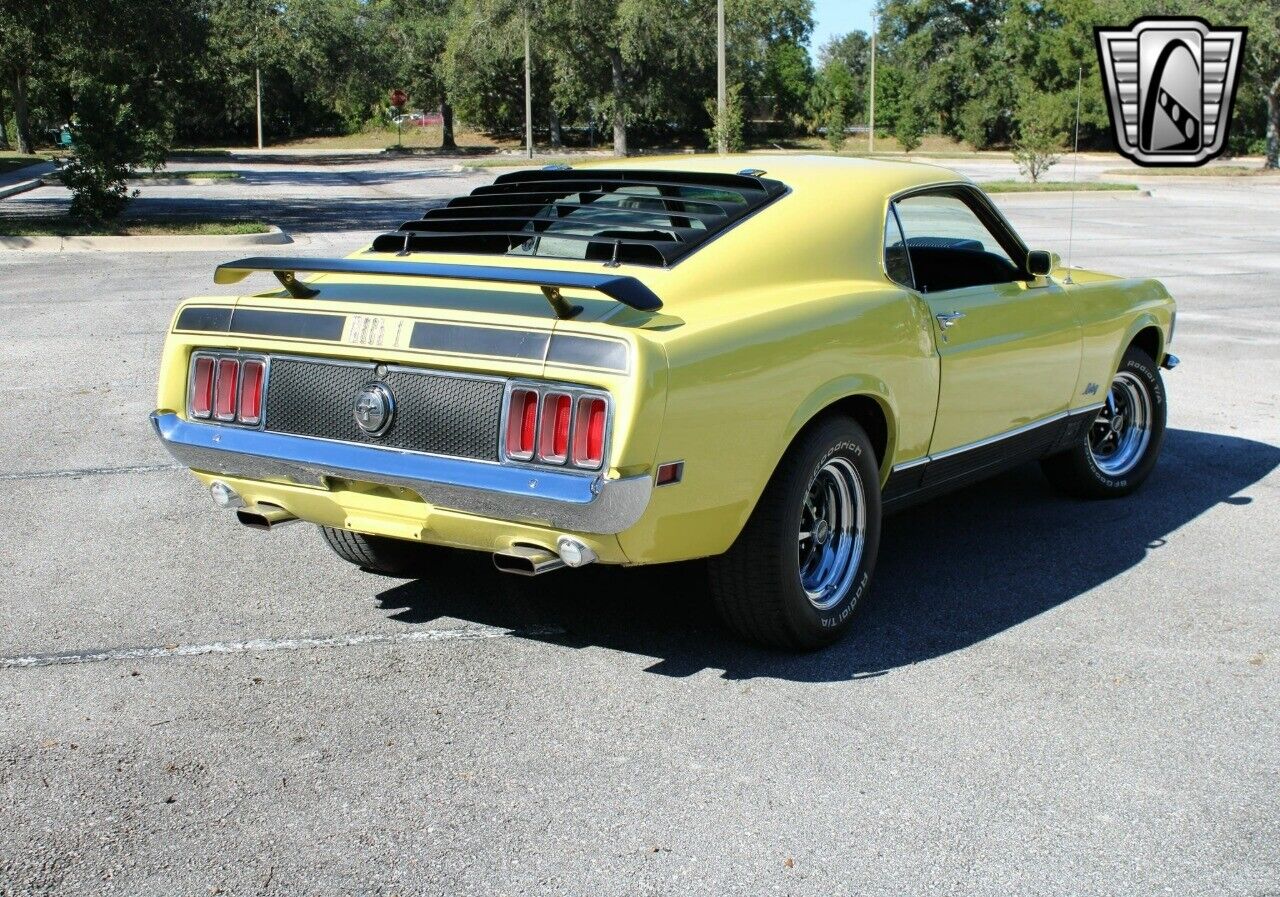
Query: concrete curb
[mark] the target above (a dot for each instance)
(32, 176)
(182, 182)
(20, 187)
(273, 237)
(1066, 194)
(159, 182)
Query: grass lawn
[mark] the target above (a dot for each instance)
(416, 138)
(1205, 171)
(155, 227)
(1050, 186)
(13, 161)
(198, 153)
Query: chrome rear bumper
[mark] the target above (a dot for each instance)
(568, 501)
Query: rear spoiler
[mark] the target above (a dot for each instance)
(620, 288)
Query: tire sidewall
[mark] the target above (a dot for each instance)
(1136, 362)
(836, 439)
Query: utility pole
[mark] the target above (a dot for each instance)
(722, 90)
(528, 89)
(257, 75)
(871, 131)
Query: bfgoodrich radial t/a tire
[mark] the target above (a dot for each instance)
(803, 563)
(1122, 444)
(379, 554)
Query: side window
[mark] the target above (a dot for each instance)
(949, 245)
(896, 263)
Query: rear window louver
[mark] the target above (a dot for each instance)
(635, 217)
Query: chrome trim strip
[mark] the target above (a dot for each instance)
(990, 440)
(562, 500)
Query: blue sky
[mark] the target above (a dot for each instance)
(832, 17)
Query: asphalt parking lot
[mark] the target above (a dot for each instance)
(1044, 696)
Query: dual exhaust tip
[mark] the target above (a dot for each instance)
(534, 560)
(259, 516)
(521, 559)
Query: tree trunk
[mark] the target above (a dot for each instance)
(4, 124)
(619, 97)
(553, 122)
(21, 115)
(1273, 125)
(446, 117)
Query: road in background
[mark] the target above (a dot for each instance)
(1043, 697)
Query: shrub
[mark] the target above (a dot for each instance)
(731, 128)
(1036, 149)
(908, 128)
(108, 142)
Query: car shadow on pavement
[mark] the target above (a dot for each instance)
(951, 573)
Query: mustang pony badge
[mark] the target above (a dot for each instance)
(1170, 86)
(374, 409)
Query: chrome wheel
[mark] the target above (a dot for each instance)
(833, 525)
(1122, 430)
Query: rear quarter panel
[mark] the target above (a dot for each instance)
(741, 386)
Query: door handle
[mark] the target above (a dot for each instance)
(948, 319)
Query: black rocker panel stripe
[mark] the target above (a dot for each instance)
(954, 471)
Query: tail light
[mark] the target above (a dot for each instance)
(588, 438)
(251, 377)
(228, 388)
(202, 387)
(522, 419)
(558, 425)
(553, 438)
(224, 389)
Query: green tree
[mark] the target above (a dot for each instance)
(117, 87)
(833, 101)
(1260, 69)
(24, 25)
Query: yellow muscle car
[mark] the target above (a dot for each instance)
(746, 359)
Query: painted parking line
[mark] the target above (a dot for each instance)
(258, 646)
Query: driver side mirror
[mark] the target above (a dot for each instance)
(1039, 262)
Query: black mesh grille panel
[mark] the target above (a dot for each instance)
(456, 416)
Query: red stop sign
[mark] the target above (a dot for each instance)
(399, 98)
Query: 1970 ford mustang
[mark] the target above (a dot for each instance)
(743, 359)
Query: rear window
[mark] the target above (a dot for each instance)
(635, 217)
